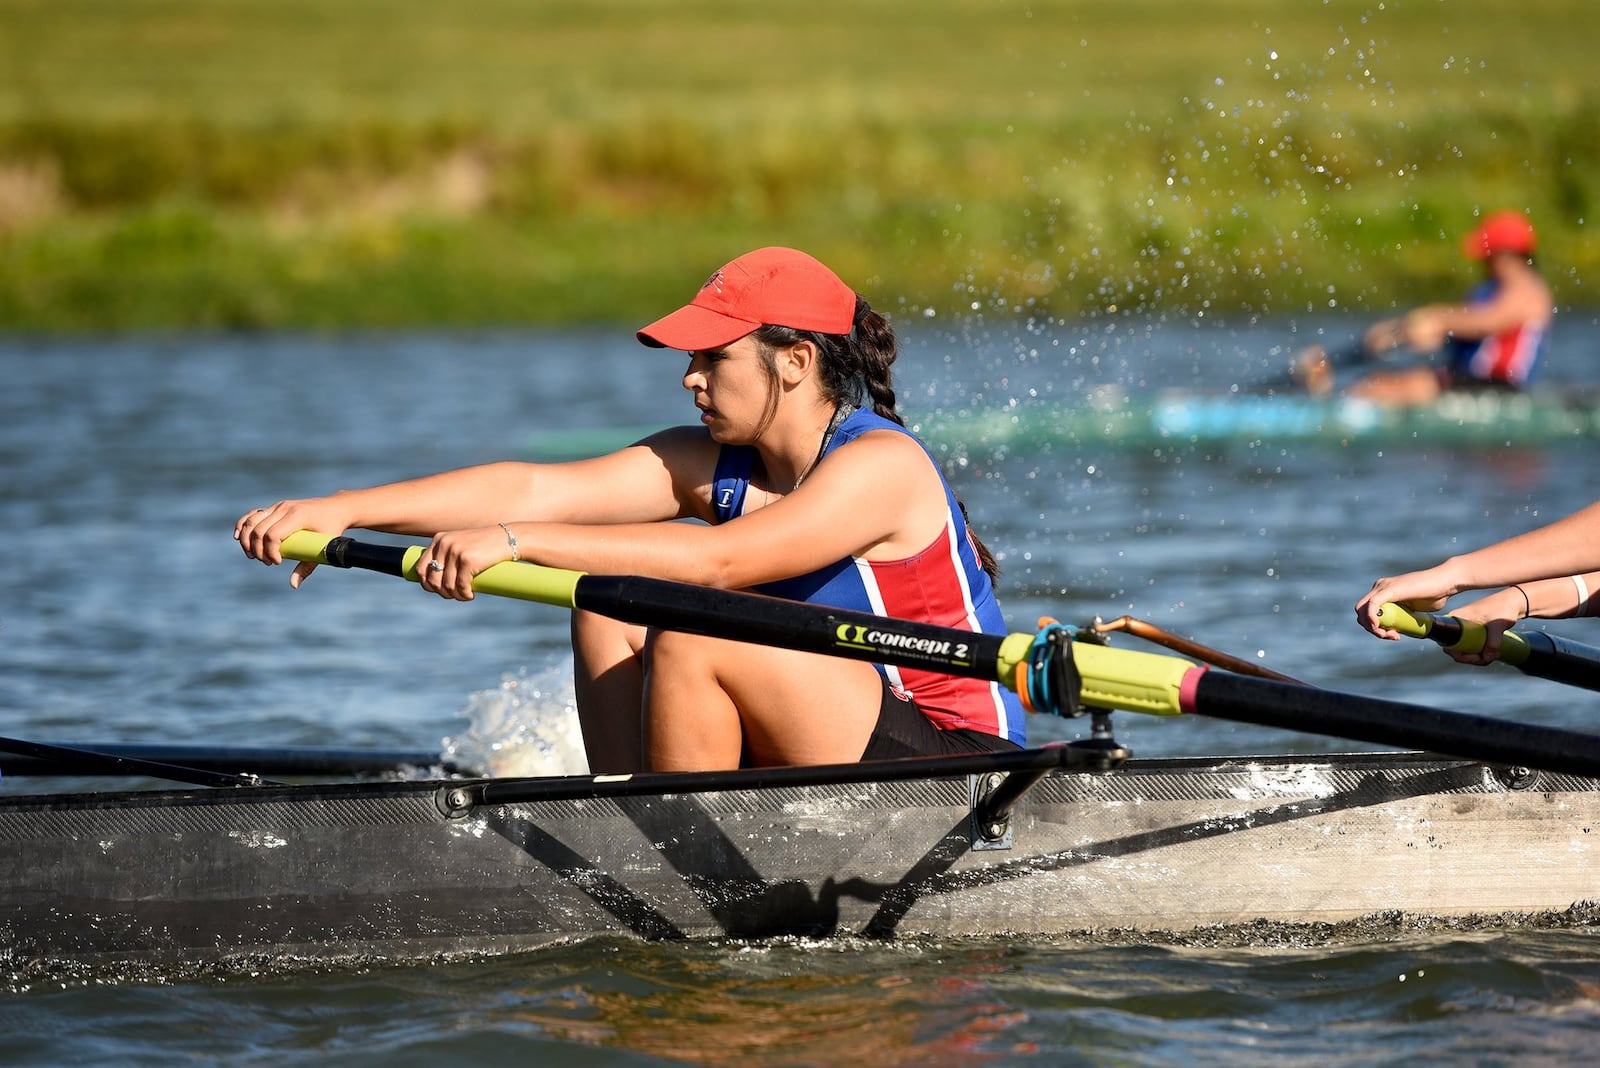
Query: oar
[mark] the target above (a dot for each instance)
(1533, 653)
(1107, 678)
(314, 761)
(117, 764)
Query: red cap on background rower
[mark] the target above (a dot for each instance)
(1500, 231)
(770, 286)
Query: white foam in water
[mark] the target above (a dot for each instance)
(528, 725)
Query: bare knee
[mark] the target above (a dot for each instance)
(594, 632)
(608, 682)
(683, 652)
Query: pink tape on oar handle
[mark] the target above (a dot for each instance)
(1188, 685)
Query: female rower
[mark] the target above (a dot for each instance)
(809, 487)
(1550, 572)
(1493, 340)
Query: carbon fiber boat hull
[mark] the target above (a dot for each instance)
(438, 868)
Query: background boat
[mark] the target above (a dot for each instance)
(1176, 419)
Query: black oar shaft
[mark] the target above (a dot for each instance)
(1110, 678)
(1370, 719)
(256, 760)
(113, 764)
(774, 621)
(1561, 660)
(737, 616)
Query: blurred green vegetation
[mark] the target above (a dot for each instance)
(374, 163)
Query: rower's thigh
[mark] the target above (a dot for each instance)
(1410, 386)
(794, 707)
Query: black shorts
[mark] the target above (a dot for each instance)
(903, 731)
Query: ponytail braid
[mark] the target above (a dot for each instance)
(858, 368)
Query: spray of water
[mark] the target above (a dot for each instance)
(528, 725)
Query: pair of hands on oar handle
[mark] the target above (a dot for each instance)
(1537, 653)
(1315, 368)
(1466, 640)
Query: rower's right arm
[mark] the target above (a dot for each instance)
(1569, 546)
(1382, 337)
(665, 476)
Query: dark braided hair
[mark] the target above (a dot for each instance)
(855, 368)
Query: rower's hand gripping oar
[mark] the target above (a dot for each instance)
(1304, 373)
(1536, 653)
(1056, 673)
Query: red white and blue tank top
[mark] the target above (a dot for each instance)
(943, 584)
(1509, 357)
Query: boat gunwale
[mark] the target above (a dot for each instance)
(1055, 761)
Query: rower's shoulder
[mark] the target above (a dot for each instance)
(683, 454)
(887, 440)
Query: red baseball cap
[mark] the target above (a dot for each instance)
(770, 286)
(1500, 231)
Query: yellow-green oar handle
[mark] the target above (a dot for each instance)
(1411, 624)
(1457, 635)
(1133, 681)
(1111, 678)
(526, 582)
(1013, 654)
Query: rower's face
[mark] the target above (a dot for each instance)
(733, 388)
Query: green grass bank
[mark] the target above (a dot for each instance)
(386, 163)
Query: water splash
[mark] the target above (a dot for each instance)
(528, 725)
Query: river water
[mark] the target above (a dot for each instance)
(128, 615)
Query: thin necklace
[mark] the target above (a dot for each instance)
(839, 415)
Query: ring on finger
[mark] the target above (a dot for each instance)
(434, 565)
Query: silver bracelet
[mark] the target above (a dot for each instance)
(512, 538)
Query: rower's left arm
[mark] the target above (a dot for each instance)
(877, 493)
